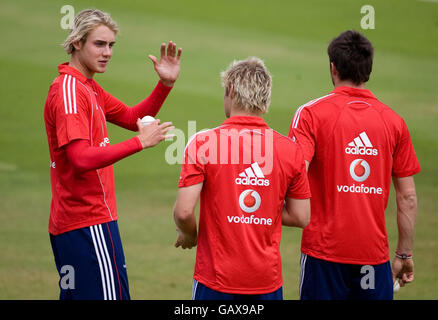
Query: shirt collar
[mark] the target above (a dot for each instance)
(64, 68)
(355, 92)
(246, 121)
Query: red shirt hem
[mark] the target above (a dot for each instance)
(57, 231)
(233, 290)
(344, 260)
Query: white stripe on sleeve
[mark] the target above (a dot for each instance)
(69, 94)
(64, 94)
(298, 113)
(74, 96)
(297, 116)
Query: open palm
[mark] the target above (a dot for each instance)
(168, 67)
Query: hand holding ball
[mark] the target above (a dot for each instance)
(150, 135)
(146, 120)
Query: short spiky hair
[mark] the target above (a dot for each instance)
(84, 22)
(352, 54)
(252, 84)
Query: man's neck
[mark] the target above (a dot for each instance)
(346, 83)
(75, 63)
(242, 113)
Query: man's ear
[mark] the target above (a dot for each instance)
(231, 92)
(333, 69)
(77, 45)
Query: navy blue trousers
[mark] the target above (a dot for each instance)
(202, 292)
(325, 280)
(91, 263)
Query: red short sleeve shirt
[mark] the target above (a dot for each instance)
(354, 144)
(247, 170)
(75, 109)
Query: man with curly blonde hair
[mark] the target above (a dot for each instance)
(244, 200)
(83, 215)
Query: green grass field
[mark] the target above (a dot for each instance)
(291, 37)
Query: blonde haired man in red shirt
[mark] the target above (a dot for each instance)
(244, 172)
(83, 215)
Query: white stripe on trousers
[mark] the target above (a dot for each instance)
(109, 263)
(194, 287)
(302, 270)
(105, 266)
(100, 264)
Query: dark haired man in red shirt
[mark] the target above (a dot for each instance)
(353, 145)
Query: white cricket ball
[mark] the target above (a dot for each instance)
(396, 286)
(147, 120)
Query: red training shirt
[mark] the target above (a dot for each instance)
(247, 170)
(77, 108)
(354, 144)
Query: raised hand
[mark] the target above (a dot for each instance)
(168, 67)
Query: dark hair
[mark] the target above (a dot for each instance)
(352, 54)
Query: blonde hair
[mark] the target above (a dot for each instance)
(252, 84)
(84, 22)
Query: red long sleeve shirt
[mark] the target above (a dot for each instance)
(81, 157)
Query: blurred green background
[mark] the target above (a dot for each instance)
(290, 36)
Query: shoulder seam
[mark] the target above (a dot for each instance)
(282, 136)
(296, 117)
(193, 137)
